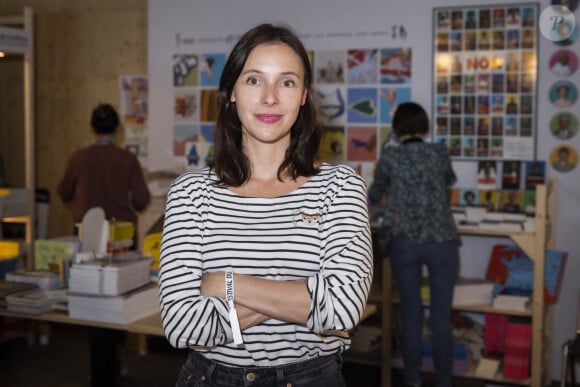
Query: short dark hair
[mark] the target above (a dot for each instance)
(231, 164)
(410, 118)
(104, 119)
(563, 150)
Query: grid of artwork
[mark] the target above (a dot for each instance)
(485, 71)
(355, 91)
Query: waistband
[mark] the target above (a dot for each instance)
(215, 370)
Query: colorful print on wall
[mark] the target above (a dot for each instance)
(134, 111)
(355, 91)
(564, 125)
(563, 158)
(563, 94)
(485, 75)
(564, 62)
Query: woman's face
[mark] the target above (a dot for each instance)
(269, 93)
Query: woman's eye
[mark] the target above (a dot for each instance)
(252, 81)
(289, 83)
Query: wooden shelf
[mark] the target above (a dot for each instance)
(397, 362)
(482, 308)
(534, 244)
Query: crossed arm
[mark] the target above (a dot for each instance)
(258, 299)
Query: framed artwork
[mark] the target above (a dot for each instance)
(485, 81)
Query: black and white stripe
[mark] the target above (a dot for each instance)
(320, 232)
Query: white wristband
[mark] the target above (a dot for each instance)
(235, 324)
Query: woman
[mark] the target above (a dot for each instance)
(289, 236)
(418, 229)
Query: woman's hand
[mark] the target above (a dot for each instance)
(262, 297)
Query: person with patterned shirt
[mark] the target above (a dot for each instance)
(418, 228)
(266, 258)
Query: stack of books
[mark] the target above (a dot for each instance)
(44, 279)
(8, 288)
(122, 309)
(115, 290)
(37, 301)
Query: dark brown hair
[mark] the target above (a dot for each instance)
(410, 118)
(104, 119)
(231, 164)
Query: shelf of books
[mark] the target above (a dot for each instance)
(527, 312)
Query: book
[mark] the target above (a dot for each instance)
(511, 301)
(36, 301)
(9, 249)
(489, 199)
(487, 368)
(502, 225)
(56, 255)
(511, 267)
(511, 175)
(122, 309)
(535, 173)
(475, 214)
(8, 288)
(486, 175)
(511, 201)
(473, 293)
(110, 276)
(44, 279)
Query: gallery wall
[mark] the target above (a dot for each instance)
(211, 27)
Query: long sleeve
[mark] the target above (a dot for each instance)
(66, 186)
(188, 318)
(339, 292)
(140, 194)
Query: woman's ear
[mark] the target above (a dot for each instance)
(304, 95)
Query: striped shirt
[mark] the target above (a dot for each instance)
(318, 232)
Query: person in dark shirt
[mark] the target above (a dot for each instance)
(104, 175)
(418, 228)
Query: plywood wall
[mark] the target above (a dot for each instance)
(81, 49)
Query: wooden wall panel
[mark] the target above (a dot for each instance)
(11, 125)
(81, 49)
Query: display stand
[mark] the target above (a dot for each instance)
(17, 33)
(534, 244)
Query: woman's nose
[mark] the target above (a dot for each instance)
(270, 96)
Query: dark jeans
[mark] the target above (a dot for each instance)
(442, 260)
(320, 372)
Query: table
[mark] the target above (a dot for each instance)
(150, 325)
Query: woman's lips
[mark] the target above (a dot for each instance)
(268, 118)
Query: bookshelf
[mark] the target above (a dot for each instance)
(534, 244)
